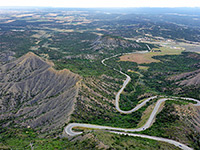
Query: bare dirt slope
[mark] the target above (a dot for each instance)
(189, 78)
(33, 94)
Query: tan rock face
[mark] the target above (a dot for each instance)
(34, 94)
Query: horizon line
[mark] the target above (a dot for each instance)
(100, 7)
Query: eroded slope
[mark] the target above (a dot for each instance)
(33, 94)
(189, 78)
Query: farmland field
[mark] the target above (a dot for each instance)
(148, 57)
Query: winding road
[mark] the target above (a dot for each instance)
(69, 127)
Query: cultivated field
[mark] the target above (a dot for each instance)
(147, 57)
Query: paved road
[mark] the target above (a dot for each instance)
(148, 47)
(69, 131)
(149, 122)
(117, 97)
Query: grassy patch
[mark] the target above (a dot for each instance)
(143, 67)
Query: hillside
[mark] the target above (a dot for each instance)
(33, 94)
(113, 42)
(178, 121)
(189, 78)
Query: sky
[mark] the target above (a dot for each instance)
(102, 3)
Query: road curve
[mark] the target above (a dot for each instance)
(69, 131)
(128, 79)
(69, 127)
